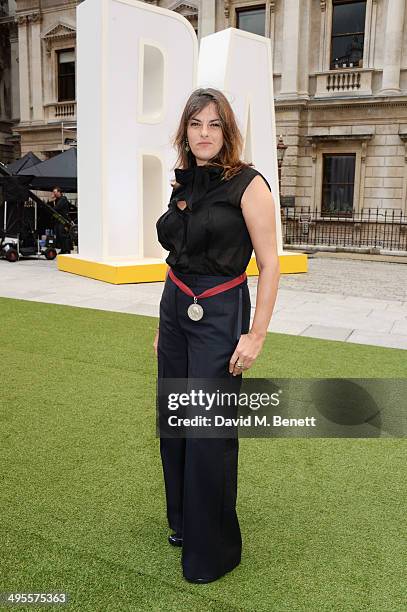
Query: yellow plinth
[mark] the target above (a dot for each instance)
(151, 270)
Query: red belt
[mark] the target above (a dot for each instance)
(195, 311)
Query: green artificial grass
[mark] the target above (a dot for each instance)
(82, 496)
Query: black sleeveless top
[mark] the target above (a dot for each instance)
(210, 235)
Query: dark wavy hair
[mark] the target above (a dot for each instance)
(229, 155)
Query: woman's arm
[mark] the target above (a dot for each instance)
(258, 208)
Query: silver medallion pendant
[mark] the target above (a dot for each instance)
(195, 311)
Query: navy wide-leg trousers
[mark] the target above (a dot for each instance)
(200, 474)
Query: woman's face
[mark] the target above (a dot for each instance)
(205, 127)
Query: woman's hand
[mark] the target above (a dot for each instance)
(155, 344)
(246, 351)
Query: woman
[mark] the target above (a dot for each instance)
(220, 209)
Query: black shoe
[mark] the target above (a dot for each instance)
(175, 540)
(202, 580)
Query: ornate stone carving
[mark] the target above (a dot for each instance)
(22, 20)
(34, 18)
(363, 151)
(185, 9)
(61, 30)
(58, 32)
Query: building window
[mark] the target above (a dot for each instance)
(66, 75)
(252, 19)
(338, 183)
(348, 33)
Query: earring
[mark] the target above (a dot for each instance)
(186, 145)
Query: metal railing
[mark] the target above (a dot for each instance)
(381, 228)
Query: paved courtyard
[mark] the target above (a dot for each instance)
(337, 299)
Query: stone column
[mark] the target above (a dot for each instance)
(36, 64)
(206, 18)
(270, 25)
(304, 45)
(14, 88)
(393, 47)
(322, 37)
(24, 77)
(291, 35)
(370, 38)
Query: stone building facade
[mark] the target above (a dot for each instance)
(340, 85)
(41, 56)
